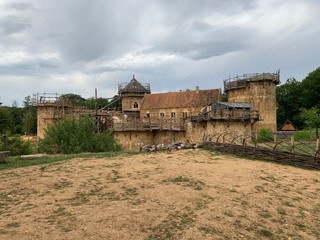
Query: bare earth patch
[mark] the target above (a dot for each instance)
(188, 194)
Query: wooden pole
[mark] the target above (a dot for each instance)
(4, 140)
(96, 107)
(292, 145)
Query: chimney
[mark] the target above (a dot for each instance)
(197, 88)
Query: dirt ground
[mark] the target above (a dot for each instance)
(187, 194)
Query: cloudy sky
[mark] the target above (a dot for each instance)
(75, 46)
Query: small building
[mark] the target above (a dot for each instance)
(288, 127)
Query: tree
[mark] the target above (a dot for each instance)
(289, 102)
(29, 118)
(75, 135)
(311, 118)
(5, 119)
(310, 89)
(115, 102)
(16, 113)
(101, 102)
(75, 99)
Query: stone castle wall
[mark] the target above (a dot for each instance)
(262, 95)
(128, 102)
(195, 133)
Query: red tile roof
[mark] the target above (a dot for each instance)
(185, 99)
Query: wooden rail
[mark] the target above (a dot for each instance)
(285, 157)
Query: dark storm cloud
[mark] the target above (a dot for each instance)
(87, 30)
(83, 30)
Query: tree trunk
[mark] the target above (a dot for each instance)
(317, 133)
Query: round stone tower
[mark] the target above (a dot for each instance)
(260, 90)
(131, 95)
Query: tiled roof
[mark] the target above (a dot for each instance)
(134, 87)
(181, 99)
(288, 126)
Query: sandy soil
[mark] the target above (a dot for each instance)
(188, 194)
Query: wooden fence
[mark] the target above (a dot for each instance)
(286, 151)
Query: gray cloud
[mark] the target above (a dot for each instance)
(19, 6)
(77, 45)
(13, 24)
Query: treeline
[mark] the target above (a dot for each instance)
(90, 103)
(18, 120)
(23, 120)
(299, 101)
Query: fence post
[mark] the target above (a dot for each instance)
(255, 139)
(292, 145)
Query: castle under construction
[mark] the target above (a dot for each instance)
(192, 115)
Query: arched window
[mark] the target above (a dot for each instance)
(135, 105)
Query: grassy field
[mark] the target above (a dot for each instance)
(187, 194)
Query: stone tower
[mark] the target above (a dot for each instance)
(50, 107)
(260, 90)
(131, 95)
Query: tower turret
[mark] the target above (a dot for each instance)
(260, 90)
(131, 95)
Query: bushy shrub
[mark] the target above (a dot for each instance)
(72, 135)
(18, 146)
(265, 135)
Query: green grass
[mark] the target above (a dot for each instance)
(172, 226)
(265, 233)
(16, 162)
(281, 211)
(184, 181)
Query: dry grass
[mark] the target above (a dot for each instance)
(188, 194)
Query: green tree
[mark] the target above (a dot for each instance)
(29, 118)
(16, 113)
(5, 119)
(72, 135)
(310, 89)
(311, 118)
(115, 102)
(101, 102)
(288, 97)
(75, 99)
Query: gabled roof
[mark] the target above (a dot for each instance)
(185, 99)
(221, 105)
(288, 126)
(135, 87)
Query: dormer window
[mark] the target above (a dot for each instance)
(135, 105)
